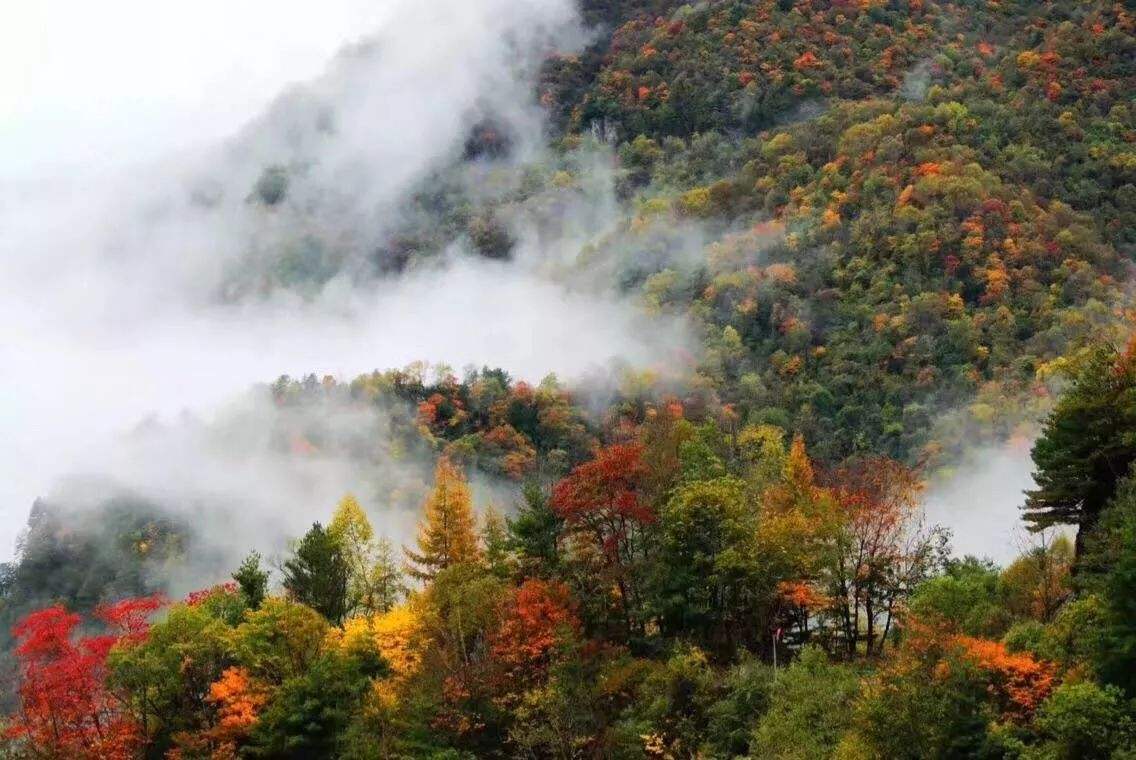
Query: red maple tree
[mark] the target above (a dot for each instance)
(602, 496)
(65, 708)
(535, 618)
(604, 511)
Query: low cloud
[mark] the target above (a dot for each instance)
(980, 501)
(113, 301)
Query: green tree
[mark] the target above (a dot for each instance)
(252, 580)
(534, 532)
(374, 582)
(579, 708)
(280, 640)
(462, 607)
(495, 542)
(746, 691)
(966, 595)
(272, 185)
(164, 680)
(1111, 564)
(310, 713)
(1087, 446)
(1082, 721)
(385, 582)
(709, 576)
(810, 709)
(674, 702)
(911, 712)
(317, 574)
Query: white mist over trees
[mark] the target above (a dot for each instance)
(123, 280)
(114, 272)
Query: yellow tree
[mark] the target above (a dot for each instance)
(798, 527)
(798, 516)
(375, 584)
(448, 533)
(397, 634)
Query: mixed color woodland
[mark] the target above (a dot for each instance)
(915, 223)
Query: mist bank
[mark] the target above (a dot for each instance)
(118, 301)
(980, 501)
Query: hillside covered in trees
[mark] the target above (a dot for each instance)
(877, 238)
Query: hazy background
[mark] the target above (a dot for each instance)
(87, 90)
(114, 117)
(101, 84)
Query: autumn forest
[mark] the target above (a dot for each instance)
(861, 244)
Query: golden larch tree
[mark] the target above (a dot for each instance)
(448, 533)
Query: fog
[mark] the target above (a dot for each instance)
(131, 139)
(980, 502)
(97, 85)
(124, 206)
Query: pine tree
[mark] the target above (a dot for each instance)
(1110, 573)
(1087, 446)
(534, 532)
(495, 539)
(317, 574)
(252, 580)
(384, 583)
(448, 534)
(799, 477)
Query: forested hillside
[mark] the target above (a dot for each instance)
(892, 233)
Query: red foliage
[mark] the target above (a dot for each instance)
(603, 495)
(604, 512)
(427, 413)
(801, 594)
(884, 544)
(807, 60)
(194, 598)
(301, 446)
(533, 621)
(1018, 682)
(515, 453)
(65, 709)
(130, 617)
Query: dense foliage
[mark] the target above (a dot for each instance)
(884, 217)
(685, 592)
(900, 228)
